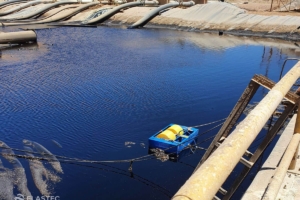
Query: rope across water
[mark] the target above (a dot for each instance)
(137, 159)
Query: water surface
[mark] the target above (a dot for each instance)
(94, 89)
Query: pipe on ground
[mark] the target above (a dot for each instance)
(7, 3)
(42, 10)
(60, 16)
(153, 13)
(57, 10)
(285, 162)
(112, 12)
(22, 6)
(208, 179)
(17, 37)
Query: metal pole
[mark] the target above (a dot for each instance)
(207, 180)
(259, 151)
(281, 170)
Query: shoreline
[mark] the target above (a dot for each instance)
(218, 18)
(225, 19)
(294, 37)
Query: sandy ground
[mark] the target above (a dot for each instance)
(262, 7)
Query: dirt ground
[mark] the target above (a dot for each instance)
(262, 7)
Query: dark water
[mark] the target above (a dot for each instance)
(92, 90)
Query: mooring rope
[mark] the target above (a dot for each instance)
(142, 158)
(210, 129)
(137, 159)
(200, 125)
(130, 175)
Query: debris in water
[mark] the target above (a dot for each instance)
(56, 143)
(142, 145)
(129, 143)
(160, 154)
(47, 154)
(19, 178)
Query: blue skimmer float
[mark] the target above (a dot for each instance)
(173, 138)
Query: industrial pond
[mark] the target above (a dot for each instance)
(98, 94)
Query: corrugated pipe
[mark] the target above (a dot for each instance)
(17, 37)
(207, 180)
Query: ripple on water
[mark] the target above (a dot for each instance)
(95, 89)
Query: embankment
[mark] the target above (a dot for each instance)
(216, 17)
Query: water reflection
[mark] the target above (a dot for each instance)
(6, 183)
(47, 154)
(206, 41)
(42, 177)
(17, 169)
(16, 176)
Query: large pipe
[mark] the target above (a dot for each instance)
(112, 12)
(17, 37)
(69, 13)
(285, 162)
(7, 3)
(153, 13)
(39, 11)
(208, 179)
(25, 5)
(57, 17)
(51, 13)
